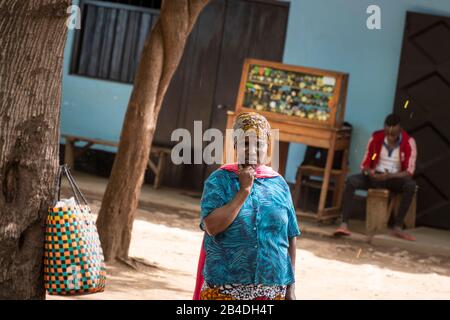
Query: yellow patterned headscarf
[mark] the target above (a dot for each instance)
(252, 121)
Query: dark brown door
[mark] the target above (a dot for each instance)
(207, 80)
(252, 30)
(191, 91)
(424, 80)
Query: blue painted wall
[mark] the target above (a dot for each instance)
(332, 34)
(90, 107)
(327, 34)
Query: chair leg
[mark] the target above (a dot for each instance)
(297, 188)
(305, 199)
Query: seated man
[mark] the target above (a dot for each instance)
(389, 163)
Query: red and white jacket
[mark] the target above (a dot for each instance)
(408, 152)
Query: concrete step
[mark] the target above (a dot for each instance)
(428, 241)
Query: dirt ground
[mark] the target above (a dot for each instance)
(326, 268)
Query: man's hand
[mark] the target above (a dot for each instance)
(368, 172)
(290, 292)
(380, 176)
(376, 176)
(246, 178)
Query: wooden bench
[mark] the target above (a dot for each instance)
(381, 205)
(71, 154)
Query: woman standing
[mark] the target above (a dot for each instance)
(250, 223)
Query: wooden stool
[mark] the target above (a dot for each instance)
(309, 171)
(379, 207)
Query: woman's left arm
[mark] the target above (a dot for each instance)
(290, 290)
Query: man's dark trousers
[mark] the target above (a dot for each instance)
(406, 186)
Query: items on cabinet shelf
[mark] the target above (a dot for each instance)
(297, 92)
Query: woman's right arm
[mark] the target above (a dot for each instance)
(221, 218)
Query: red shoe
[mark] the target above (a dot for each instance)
(403, 235)
(342, 232)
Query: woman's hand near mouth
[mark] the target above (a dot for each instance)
(246, 177)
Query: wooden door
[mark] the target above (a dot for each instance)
(207, 80)
(424, 80)
(191, 90)
(253, 29)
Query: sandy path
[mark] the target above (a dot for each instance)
(326, 269)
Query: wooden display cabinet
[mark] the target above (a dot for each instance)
(292, 93)
(320, 126)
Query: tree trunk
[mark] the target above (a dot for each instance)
(32, 39)
(161, 55)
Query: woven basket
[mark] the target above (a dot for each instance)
(73, 257)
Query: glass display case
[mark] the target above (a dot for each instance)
(293, 93)
(305, 105)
